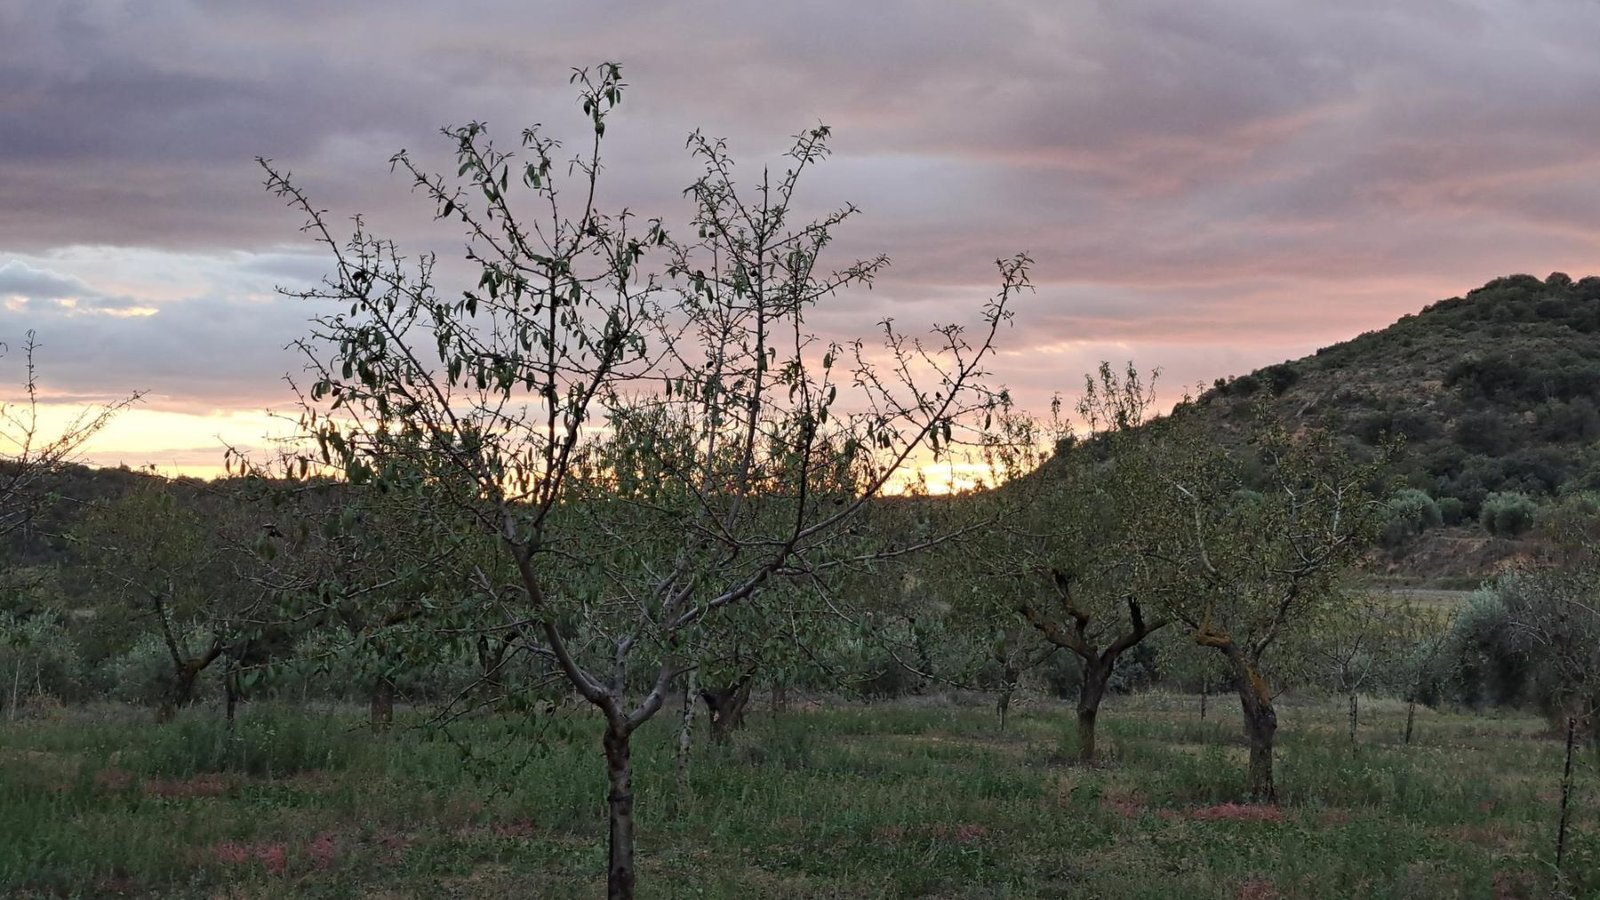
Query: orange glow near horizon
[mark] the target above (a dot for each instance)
(195, 445)
(172, 443)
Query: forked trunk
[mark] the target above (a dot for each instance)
(726, 706)
(381, 715)
(179, 693)
(1355, 716)
(619, 809)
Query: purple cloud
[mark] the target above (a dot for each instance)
(1206, 186)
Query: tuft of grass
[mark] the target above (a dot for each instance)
(269, 742)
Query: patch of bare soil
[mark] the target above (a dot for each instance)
(213, 785)
(1459, 554)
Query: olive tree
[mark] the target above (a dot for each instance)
(646, 426)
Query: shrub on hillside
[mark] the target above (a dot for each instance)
(1507, 513)
(1411, 512)
(1452, 510)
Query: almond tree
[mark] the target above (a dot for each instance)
(1065, 552)
(28, 456)
(646, 426)
(175, 560)
(1364, 644)
(1249, 570)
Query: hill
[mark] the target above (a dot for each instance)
(1493, 395)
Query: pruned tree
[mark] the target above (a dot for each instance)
(1249, 569)
(1363, 644)
(646, 427)
(1065, 552)
(177, 568)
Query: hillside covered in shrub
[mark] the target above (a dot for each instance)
(1492, 396)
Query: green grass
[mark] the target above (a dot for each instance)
(851, 801)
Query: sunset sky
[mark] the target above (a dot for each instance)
(1206, 187)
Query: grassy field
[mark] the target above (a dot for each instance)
(862, 801)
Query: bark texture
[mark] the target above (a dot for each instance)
(381, 713)
(620, 876)
(726, 705)
(1091, 692)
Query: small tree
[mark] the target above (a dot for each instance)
(1070, 534)
(181, 569)
(37, 658)
(1363, 644)
(1017, 649)
(1555, 622)
(1422, 640)
(28, 457)
(643, 465)
(1250, 568)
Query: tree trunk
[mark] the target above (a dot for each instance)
(16, 692)
(1411, 716)
(619, 807)
(1355, 716)
(1008, 687)
(381, 717)
(1205, 692)
(180, 693)
(727, 705)
(1091, 690)
(1566, 793)
(1260, 726)
(686, 738)
(491, 663)
(1262, 730)
(230, 687)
